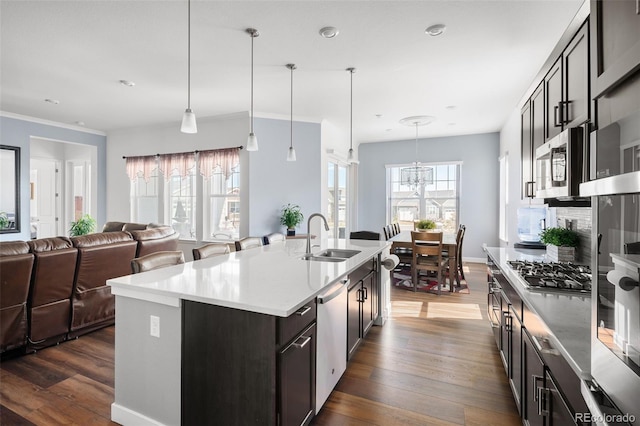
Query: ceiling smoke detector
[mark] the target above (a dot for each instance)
(127, 83)
(435, 30)
(52, 101)
(329, 32)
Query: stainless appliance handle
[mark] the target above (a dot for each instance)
(326, 298)
(626, 183)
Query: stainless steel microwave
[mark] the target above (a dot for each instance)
(560, 163)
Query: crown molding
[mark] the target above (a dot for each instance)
(51, 123)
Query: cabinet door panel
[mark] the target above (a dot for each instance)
(532, 379)
(353, 319)
(576, 72)
(296, 371)
(515, 359)
(367, 303)
(553, 97)
(526, 151)
(559, 412)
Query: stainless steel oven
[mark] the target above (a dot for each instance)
(615, 331)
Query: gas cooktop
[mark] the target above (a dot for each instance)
(555, 276)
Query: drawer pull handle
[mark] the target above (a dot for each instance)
(536, 379)
(303, 310)
(306, 339)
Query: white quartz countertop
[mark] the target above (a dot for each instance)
(567, 315)
(271, 280)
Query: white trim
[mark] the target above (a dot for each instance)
(51, 123)
(138, 294)
(274, 116)
(126, 416)
(437, 163)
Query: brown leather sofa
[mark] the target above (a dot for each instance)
(16, 264)
(101, 256)
(155, 239)
(51, 288)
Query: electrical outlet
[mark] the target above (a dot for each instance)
(154, 326)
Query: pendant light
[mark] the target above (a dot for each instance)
(291, 155)
(189, 118)
(252, 141)
(417, 176)
(350, 156)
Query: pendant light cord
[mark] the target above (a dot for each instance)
(416, 148)
(292, 67)
(189, 56)
(351, 70)
(252, 37)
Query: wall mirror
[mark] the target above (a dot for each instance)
(9, 189)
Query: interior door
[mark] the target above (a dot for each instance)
(45, 197)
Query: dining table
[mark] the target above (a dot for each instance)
(449, 246)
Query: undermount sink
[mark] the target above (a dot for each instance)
(331, 255)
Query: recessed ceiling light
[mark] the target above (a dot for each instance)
(52, 101)
(329, 32)
(451, 107)
(379, 115)
(80, 123)
(127, 83)
(435, 30)
(452, 124)
(388, 130)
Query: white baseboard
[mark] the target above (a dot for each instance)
(125, 417)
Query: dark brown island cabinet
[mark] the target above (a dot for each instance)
(362, 304)
(241, 367)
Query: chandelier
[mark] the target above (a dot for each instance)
(417, 176)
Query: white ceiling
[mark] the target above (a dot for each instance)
(77, 51)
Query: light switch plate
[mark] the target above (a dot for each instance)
(154, 326)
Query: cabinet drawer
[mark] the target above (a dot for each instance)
(291, 326)
(361, 272)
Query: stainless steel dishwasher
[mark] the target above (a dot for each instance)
(331, 355)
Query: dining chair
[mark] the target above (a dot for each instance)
(364, 235)
(459, 251)
(386, 233)
(273, 237)
(396, 228)
(210, 250)
(159, 259)
(427, 256)
(632, 248)
(248, 243)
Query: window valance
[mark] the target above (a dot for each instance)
(225, 159)
(182, 162)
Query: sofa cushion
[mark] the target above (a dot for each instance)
(48, 244)
(134, 226)
(112, 226)
(100, 239)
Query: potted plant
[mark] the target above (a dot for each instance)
(4, 220)
(83, 226)
(291, 217)
(425, 224)
(561, 244)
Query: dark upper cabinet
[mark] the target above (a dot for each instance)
(615, 44)
(575, 61)
(553, 100)
(526, 152)
(533, 136)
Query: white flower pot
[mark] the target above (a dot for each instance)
(561, 254)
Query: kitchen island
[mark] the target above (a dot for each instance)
(186, 333)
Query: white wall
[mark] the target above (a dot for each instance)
(267, 180)
(478, 190)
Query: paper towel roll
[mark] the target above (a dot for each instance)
(623, 281)
(390, 262)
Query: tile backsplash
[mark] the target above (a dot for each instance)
(579, 219)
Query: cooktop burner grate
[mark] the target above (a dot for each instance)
(554, 276)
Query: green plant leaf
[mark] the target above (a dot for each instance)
(561, 237)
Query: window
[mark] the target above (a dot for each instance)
(337, 203)
(222, 205)
(437, 199)
(504, 199)
(204, 185)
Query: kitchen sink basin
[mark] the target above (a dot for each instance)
(330, 255)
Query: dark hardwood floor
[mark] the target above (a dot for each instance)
(434, 363)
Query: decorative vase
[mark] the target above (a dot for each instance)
(291, 232)
(561, 254)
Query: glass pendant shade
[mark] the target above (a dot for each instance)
(189, 122)
(350, 156)
(252, 142)
(291, 155)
